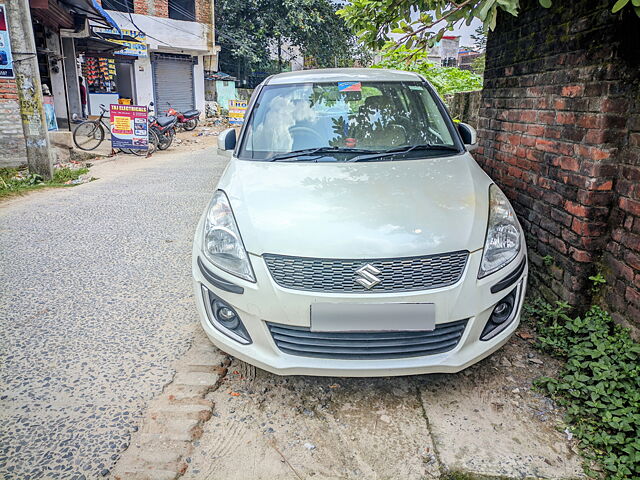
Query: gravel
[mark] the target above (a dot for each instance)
(96, 304)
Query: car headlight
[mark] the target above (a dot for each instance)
(503, 234)
(222, 243)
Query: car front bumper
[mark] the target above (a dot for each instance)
(265, 302)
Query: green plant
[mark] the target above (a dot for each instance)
(17, 180)
(423, 23)
(445, 80)
(547, 260)
(598, 281)
(599, 384)
(65, 174)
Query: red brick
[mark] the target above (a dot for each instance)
(572, 91)
(576, 209)
(593, 153)
(631, 206)
(633, 295)
(565, 118)
(581, 256)
(567, 163)
(587, 228)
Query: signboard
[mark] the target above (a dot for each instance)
(129, 126)
(6, 60)
(134, 49)
(237, 109)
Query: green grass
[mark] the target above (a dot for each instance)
(17, 181)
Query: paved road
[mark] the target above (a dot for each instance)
(95, 305)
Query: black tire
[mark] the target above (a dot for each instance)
(191, 124)
(153, 142)
(165, 140)
(88, 135)
(249, 372)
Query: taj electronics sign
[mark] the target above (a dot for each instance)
(6, 60)
(129, 126)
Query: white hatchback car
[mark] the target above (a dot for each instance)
(352, 233)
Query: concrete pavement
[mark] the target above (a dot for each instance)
(95, 305)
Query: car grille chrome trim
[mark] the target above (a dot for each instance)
(338, 275)
(301, 341)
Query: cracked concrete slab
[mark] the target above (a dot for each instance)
(299, 427)
(487, 420)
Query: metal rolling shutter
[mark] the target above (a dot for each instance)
(173, 82)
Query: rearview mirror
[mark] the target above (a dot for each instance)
(227, 139)
(469, 136)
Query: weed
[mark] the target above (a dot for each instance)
(599, 384)
(548, 260)
(18, 180)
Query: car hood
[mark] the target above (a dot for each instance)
(359, 210)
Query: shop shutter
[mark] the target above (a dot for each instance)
(173, 82)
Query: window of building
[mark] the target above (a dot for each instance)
(118, 5)
(182, 10)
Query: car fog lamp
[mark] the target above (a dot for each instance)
(228, 318)
(502, 315)
(224, 318)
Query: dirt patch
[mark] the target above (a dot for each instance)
(485, 422)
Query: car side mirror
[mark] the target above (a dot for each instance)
(469, 136)
(227, 139)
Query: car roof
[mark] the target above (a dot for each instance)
(342, 75)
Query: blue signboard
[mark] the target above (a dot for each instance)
(6, 60)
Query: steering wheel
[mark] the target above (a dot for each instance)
(307, 130)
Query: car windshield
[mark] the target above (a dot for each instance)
(343, 119)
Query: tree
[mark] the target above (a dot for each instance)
(249, 30)
(479, 39)
(422, 23)
(445, 80)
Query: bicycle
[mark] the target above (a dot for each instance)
(90, 134)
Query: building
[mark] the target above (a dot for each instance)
(124, 51)
(170, 43)
(445, 52)
(56, 27)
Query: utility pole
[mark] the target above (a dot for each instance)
(25, 66)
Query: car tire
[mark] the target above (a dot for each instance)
(249, 372)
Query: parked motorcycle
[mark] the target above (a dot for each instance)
(187, 120)
(164, 127)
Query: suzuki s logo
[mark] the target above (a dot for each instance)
(367, 276)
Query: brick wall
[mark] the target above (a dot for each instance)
(12, 144)
(160, 8)
(558, 128)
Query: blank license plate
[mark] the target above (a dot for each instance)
(368, 317)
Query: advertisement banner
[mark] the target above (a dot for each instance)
(129, 126)
(137, 48)
(6, 60)
(237, 109)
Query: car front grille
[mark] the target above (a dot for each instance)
(396, 274)
(303, 342)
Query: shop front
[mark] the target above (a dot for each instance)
(111, 79)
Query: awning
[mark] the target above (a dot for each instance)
(94, 46)
(93, 11)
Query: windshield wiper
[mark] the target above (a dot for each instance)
(312, 151)
(402, 150)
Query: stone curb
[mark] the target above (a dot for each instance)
(161, 447)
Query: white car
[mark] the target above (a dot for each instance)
(353, 234)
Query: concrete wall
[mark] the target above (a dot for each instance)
(559, 131)
(465, 106)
